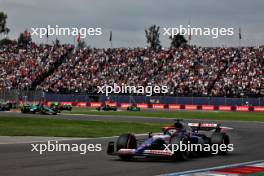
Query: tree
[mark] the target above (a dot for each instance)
(81, 44)
(24, 39)
(178, 41)
(6, 42)
(7, 31)
(3, 28)
(152, 35)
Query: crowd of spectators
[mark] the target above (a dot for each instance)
(190, 71)
(244, 75)
(20, 67)
(186, 71)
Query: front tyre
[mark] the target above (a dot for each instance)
(180, 155)
(126, 141)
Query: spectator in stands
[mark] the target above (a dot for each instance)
(193, 71)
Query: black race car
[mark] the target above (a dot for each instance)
(5, 106)
(58, 107)
(107, 108)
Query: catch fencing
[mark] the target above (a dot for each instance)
(75, 98)
(216, 101)
(21, 95)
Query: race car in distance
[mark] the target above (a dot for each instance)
(127, 146)
(58, 107)
(33, 109)
(133, 108)
(5, 106)
(107, 108)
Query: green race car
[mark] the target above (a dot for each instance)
(33, 109)
(58, 107)
(133, 108)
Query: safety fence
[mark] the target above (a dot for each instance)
(154, 102)
(216, 101)
(21, 95)
(169, 106)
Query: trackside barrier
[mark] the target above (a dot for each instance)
(191, 107)
(95, 104)
(67, 103)
(112, 104)
(125, 105)
(208, 108)
(158, 106)
(174, 106)
(169, 106)
(258, 108)
(242, 108)
(224, 108)
(143, 105)
(81, 104)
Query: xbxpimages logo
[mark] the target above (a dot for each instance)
(66, 31)
(55, 146)
(214, 148)
(126, 89)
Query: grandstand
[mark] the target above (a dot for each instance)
(190, 71)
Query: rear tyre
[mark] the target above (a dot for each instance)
(219, 139)
(126, 141)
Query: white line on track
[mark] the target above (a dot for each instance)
(211, 168)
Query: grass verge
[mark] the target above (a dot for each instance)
(18, 126)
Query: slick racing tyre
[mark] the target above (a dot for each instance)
(126, 141)
(220, 138)
(180, 155)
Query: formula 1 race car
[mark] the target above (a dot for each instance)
(33, 109)
(133, 108)
(163, 145)
(58, 107)
(5, 106)
(107, 108)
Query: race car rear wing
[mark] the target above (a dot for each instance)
(208, 127)
(204, 126)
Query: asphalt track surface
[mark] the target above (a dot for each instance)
(18, 160)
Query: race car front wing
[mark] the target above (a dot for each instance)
(150, 153)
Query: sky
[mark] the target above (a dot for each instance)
(127, 19)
